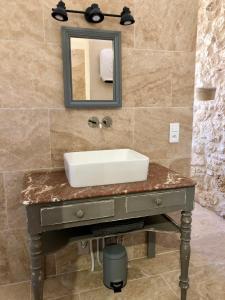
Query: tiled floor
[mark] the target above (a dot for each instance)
(150, 278)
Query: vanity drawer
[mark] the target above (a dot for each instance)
(145, 202)
(77, 212)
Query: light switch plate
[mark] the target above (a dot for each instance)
(174, 133)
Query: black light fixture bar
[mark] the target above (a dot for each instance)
(75, 11)
(111, 15)
(83, 13)
(92, 14)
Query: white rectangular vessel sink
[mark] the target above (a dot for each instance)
(92, 168)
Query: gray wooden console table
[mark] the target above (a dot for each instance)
(54, 207)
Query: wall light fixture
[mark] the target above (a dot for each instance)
(92, 14)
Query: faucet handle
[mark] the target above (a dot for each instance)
(107, 122)
(93, 122)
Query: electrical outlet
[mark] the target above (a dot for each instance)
(174, 133)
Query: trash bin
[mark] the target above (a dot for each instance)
(115, 267)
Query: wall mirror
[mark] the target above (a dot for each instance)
(92, 68)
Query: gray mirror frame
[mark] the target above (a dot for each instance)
(115, 36)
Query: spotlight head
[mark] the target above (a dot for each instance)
(126, 17)
(59, 13)
(93, 14)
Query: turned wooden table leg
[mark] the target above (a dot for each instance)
(185, 251)
(37, 266)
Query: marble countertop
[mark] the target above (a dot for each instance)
(53, 186)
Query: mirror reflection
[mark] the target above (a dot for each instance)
(92, 62)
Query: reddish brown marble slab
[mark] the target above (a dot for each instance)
(53, 186)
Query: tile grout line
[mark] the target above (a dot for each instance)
(159, 254)
(130, 280)
(43, 21)
(14, 283)
(11, 229)
(168, 252)
(62, 167)
(32, 170)
(6, 203)
(32, 108)
(133, 131)
(62, 296)
(63, 109)
(158, 50)
(134, 2)
(33, 42)
(169, 286)
(65, 295)
(58, 44)
(50, 143)
(201, 281)
(31, 291)
(171, 80)
(71, 272)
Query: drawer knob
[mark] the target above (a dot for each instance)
(80, 213)
(158, 201)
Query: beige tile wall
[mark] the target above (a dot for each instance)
(35, 128)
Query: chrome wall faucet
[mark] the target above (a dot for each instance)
(94, 122)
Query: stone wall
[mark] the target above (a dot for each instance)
(208, 160)
(158, 61)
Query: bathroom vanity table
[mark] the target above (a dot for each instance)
(56, 211)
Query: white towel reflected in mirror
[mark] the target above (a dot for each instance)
(106, 65)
